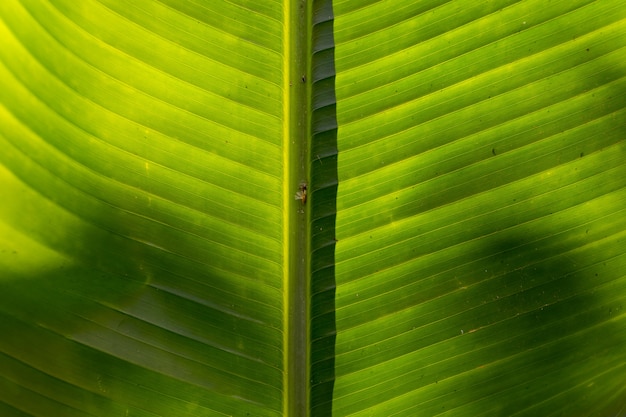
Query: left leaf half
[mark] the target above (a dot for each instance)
(141, 242)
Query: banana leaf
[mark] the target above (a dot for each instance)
(312, 208)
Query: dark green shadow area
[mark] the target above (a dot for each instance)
(324, 208)
(549, 332)
(93, 322)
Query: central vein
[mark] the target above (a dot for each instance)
(296, 134)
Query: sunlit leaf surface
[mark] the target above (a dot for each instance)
(141, 208)
(466, 207)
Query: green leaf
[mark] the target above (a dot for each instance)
(460, 251)
(142, 147)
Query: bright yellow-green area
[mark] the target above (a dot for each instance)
(31, 227)
(21, 257)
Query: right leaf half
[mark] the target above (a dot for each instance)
(480, 223)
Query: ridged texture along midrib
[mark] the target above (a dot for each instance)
(147, 135)
(324, 187)
(480, 211)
